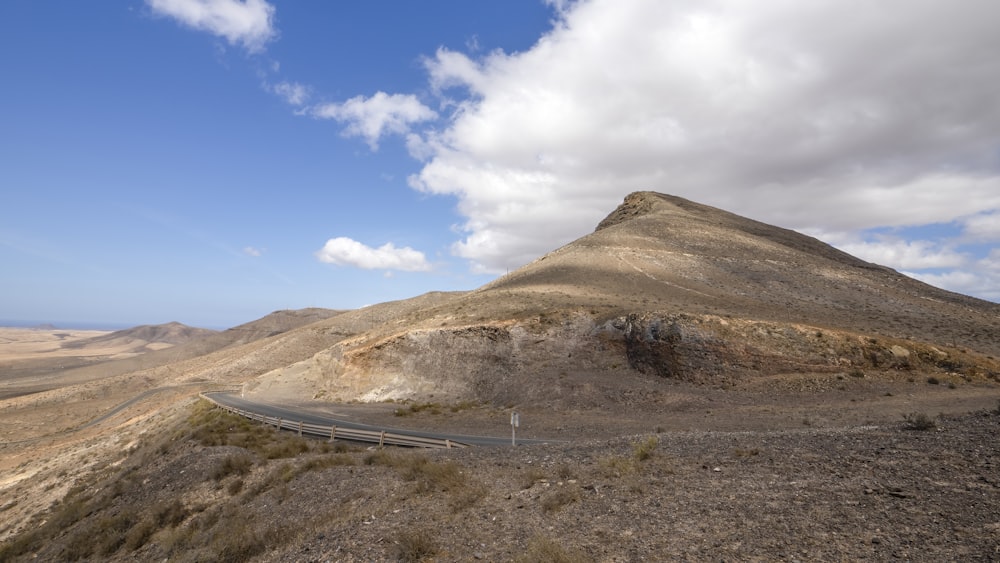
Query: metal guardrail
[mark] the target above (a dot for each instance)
(380, 437)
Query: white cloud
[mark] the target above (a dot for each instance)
(907, 255)
(822, 115)
(294, 93)
(981, 279)
(343, 251)
(985, 226)
(373, 117)
(251, 251)
(249, 23)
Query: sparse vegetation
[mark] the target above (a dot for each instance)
(238, 464)
(95, 521)
(560, 496)
(919, 421)
(644, 449)
(530, 476)
(434, 408)
(428, 475)
(543, 549)
(415, 408)
(414, 545)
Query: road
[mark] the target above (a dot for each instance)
(289, 413)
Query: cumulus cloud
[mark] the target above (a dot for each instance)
(984, 226)
(982, 279)
(249, 23)
(371, 118)
(344, 251)
(907, 254)
(821, 115)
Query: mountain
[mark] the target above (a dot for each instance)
(664, 288)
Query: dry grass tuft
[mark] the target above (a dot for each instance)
(413, 545)
(543, 549)
(561, 496)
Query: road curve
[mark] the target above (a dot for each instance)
(289, 413)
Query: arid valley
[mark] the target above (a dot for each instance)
(708, 388)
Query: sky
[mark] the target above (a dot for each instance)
(212, 161)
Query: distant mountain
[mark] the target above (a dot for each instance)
(144, 337)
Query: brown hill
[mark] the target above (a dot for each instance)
(664, 287)
(143, 338)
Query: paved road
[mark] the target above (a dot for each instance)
(288, 413)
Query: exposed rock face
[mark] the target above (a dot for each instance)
(675, 346)
(580, 360)
(499, 363)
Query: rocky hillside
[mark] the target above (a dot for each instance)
(666, 288)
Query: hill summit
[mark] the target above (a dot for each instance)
(669, 288)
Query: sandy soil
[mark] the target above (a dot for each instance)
(30, 343)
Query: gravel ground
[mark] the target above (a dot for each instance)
(865, 493)
(729, 477)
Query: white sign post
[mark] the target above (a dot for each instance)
(514, 423)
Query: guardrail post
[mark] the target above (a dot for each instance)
(333, 433)
(381, 439)
(300, 428)
(447, 443)
(278, 425)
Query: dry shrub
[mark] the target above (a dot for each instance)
(918, 421)
(238, 464)
(413, 545)
(560, 497)
(566, 471)
(414, 408)
(466, 497)
(615, 467)
(542, 549)
(228, 534)
(380, 456)
(644, 449)
(433, 476)
(290, 446)
(100, 536)
(428, 475)
(168, 515)
(530, 476)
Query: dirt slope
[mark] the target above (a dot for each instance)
(668, 287)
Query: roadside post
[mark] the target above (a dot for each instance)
(514, 423)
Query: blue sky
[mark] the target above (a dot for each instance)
(210, 161)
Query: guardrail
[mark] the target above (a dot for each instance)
(380, 437)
